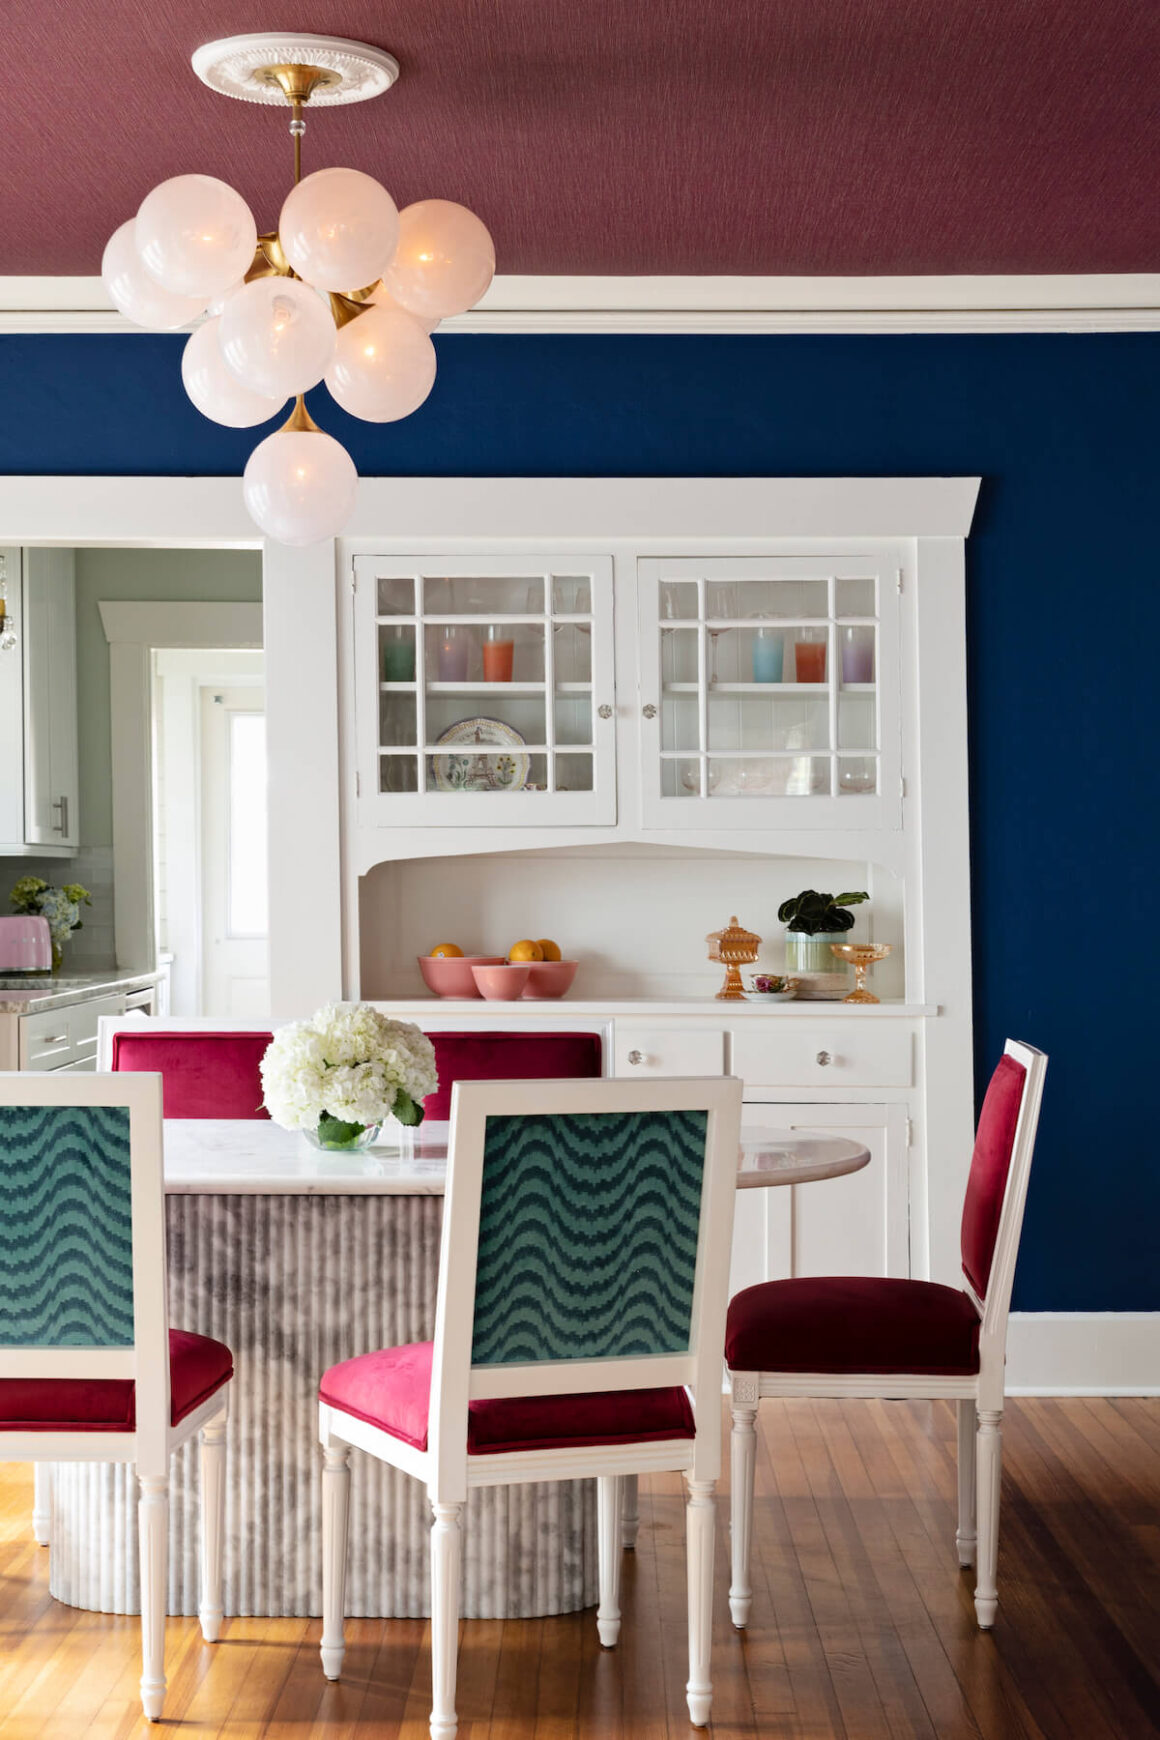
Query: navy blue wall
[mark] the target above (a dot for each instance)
(1064, 633)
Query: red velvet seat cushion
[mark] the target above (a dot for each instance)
(197, 1367)
(206, 1075)
(509, 1057)
(391, 1389)
(853, 1323)
(990, 1164)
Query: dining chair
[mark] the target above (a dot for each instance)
(207, 1073)
(89, 1369)
(579, 1323)
(498, 1055)
(869, 1335)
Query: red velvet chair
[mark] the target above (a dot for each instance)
(206, 1075)
(476, 1056)
(867, 1335)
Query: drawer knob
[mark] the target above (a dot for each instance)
(824, 1058)
(604, 711)
(649, 710)
(636, 1057)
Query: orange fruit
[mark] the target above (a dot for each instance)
(525, 951)
(446, 952)
(550, 951)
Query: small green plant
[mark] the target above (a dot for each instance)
(811, 913)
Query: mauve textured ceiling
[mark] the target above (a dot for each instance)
(632, 136)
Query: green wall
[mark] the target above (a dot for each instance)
(190, 576)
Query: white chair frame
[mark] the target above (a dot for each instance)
(978, 1397)
(150, 1446)
(445, 1466)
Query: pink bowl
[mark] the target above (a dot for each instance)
(451, 976)
(502, 984)
(550, 978)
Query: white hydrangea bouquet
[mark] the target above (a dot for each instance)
(341, 1074)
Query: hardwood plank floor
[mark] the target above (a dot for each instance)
(863, 1626)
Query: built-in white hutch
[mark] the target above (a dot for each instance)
(617, 713)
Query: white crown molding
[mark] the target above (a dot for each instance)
(1080, 302)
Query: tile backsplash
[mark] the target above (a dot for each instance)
(92, 948)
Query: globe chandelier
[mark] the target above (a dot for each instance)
(347, 289)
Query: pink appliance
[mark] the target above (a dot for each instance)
(25, 944)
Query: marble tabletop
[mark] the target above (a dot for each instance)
(212, 1156)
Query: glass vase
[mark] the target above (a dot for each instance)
(333, 1136)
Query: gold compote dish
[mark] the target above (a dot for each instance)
(861, 957)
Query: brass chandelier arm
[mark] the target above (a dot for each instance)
(300, 419)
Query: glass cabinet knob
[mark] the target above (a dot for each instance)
(823, 1058)
(604, 711)
(636, 1057)
(649, 710)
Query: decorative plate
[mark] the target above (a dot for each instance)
(467, 771)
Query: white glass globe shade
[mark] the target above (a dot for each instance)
(444, 262)
(277, 336)
(196, 235)
(384, 366)
(138, 296)
(215, 389)
(338, 229)
(382, 298)
(219, 302)
(300, 486)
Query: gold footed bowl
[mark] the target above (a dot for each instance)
(861, 957)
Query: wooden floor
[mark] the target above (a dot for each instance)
(863, 1625)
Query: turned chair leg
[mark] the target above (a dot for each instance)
(335, 1512)
(444, 1618)
(213, 1506)
(153, 1534)
(965, 1536)
(989, 1450)
(630, 1512)
(743, 1462)
(699, 1523)
(42, 1503)
(608, 1538)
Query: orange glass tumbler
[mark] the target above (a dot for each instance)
(498, 652)
(810, 660)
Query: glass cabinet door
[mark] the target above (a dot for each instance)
(769, 692)
(485, 691)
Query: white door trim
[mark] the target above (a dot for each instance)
(132, 630)
(518, 303)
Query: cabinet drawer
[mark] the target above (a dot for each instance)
(652, 1051)
(824, 1055)
(83, 1019)
(45, 1040)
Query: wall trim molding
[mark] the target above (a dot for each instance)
(1083, 1353)
(1001, 302)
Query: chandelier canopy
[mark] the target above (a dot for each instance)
(347, 289)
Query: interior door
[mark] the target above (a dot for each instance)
(235, 969)
(856, 1225)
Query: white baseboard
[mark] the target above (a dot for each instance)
(1083, 1353)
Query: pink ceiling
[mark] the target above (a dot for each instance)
(632, 136)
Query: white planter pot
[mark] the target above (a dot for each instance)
(808, 959)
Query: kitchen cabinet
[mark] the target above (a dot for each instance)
(39, 808)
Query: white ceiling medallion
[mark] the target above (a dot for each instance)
(239, 66)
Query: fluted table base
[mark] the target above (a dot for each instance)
(294, 1283)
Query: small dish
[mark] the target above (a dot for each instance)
(769, 996)
(549, 979)
(501, 982)
(450, 975)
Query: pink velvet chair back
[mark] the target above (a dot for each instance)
(990, 1169)
(509, 1057)
(205, 1075)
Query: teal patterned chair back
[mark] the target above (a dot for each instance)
(588, 1235)
(66, 1227)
